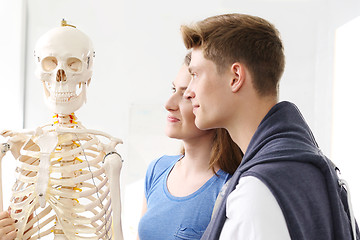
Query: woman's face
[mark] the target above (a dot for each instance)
(180, 122)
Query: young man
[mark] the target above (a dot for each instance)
(285, 188)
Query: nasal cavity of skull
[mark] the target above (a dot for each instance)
(60, 76)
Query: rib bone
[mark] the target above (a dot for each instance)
(66, 186)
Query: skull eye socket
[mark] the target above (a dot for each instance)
(74, 64)
(49, 63)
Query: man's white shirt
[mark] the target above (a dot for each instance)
(252, 213)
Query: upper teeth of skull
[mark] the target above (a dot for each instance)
(63, 96)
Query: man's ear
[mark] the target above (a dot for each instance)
(238, 76)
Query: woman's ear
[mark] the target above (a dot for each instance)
(238, 76)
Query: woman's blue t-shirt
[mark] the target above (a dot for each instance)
(169, 217)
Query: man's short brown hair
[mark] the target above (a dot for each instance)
(250, 40)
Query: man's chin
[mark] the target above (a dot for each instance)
(201, 124)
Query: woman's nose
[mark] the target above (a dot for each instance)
(171, 104)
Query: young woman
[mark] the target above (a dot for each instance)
(180, 191)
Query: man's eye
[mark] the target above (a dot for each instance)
(173, 90)
(193, 75)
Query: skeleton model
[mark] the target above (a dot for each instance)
(67, 181)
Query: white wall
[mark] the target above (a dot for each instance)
(139, 50)
(346, 114)
(12, 63)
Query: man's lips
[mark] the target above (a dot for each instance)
(172, 119)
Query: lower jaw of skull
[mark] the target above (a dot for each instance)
(65, 103)
(60, 96)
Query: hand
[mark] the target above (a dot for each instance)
(7, 226)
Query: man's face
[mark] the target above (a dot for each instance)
(208, 91)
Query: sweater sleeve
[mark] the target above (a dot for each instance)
(253, 213)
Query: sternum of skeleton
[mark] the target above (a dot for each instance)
(71, 189)
(67, 161)
(68, 121)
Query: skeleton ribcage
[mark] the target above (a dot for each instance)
(78, 202)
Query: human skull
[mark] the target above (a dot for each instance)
(64, 57)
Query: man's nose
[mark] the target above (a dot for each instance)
(189, 93)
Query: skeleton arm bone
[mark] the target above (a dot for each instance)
(4, 148)
(112, 165)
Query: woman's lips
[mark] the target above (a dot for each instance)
(173, 119)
